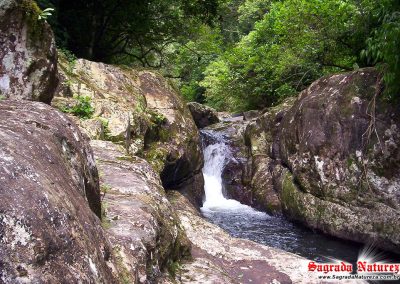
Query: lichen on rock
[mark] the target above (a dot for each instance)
(28, 57)
(340, 164)
(141, 111)
(49, 199)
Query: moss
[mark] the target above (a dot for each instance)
(82, 109)
(272, 207)
(106, 130)
(105, 222)
(156, 157)
(350, 162)
(123, 273)
(173, 268)
(126, 158)
(290, 199)
(104, 188)
(156, 132)
(32, 12)
(164, 135)
(67, 61)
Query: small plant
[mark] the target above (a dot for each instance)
(106, 130)
(45, 14)
(105, 188)
(2, 97)
(70, 58)
(82, 109)
(105, 222)
(173, 268)
(158, 118)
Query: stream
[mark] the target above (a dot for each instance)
(243, 221)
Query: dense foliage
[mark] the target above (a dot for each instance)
(383, 47)
(125, 30)
(235, 54)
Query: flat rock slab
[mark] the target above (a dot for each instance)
(220, 258)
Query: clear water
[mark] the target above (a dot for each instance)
(245, 222)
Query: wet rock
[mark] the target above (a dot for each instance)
(28, 59)
(49, 192)
(219, 258)
(262, 140)
(145, 233)
(251, 114)
(235, 175)
(203, 115)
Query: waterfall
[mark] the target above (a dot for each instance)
(242, 221)
(216, 156)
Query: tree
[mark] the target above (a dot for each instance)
(127, 30)
(295, 42)
(383, 47)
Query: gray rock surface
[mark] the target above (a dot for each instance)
(48, 186)
(144, 231)
(331, 159)
(28, 58)
(143, 112)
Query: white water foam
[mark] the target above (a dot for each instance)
(215, 158)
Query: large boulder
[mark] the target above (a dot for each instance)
(139, 110)
(118, 105)
(203, 115)
(28, 58)
(177, 145)
(50, 197)
(340, 143)
(331, 159)
(261, 139)
(144, 231)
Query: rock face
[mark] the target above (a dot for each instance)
(144, 231)
(332, 159)
(117, 101)
(49, 183)
(140, 110)
(203, 115)
(265, 167)
(28, 58)
(219, 258)
(179, 147)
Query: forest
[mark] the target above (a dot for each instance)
(234, 55)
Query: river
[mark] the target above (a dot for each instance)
(242, 221)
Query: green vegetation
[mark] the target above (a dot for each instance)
(104, 188)
(383, 47)
(45, 14)
(105, 221)
(123, 272)
(69, 57)
(82, 108)
(173, 268)
(32, 13)
(236, 54)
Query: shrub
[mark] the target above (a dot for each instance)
(82, 108)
